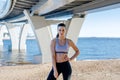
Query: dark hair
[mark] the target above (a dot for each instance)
(59, 25)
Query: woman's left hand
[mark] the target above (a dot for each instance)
(66, 58)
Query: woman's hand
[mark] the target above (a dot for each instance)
(66, 58)
(55, 74)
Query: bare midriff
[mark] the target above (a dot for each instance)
(61, 57)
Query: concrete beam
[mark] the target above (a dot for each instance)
(41, 28)
(37, 6)
(44, 37)
(22, 38)
(1, 36)
(13, 36)
(73, 30)
(17, 39)
(95, 5)
(17, 19)
(39, 20)
(51, 5)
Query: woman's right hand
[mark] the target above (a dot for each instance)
(55, 74)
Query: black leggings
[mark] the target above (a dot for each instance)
(63, 68)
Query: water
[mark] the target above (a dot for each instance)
(98, 48)
(32, 50)
(90, 49)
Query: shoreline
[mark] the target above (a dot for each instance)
(81, 70)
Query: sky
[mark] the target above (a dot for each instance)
(100, 24)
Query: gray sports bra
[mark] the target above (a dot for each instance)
(61, 48)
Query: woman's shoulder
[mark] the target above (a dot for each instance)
(71, 43)
(68, 39)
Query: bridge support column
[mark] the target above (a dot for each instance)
(13, 36)
(17, 39)
(22, 38)
(1, 39)
(44, 36)
(41, 28)
(73, 29)
(1, 36)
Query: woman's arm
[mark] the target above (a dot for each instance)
(77, 52)
(52, 47)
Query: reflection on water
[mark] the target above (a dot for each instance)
(9, 57)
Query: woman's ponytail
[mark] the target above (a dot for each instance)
(57, 35)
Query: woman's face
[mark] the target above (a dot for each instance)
(61, 30)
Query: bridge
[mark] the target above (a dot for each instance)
(41, 14)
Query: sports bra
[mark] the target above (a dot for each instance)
(61, 48)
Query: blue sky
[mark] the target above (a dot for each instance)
(102, 24)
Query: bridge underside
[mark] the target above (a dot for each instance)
(17, 7)
(55, 8)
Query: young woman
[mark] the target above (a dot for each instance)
(60, 60)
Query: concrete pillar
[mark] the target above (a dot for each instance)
(43, 34)
(13, 31)
(1, 36)
(73, 29)
(22, 37)
(17, 36)
(1, 39)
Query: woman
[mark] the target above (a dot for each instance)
(60, 60)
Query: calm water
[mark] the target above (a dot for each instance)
(90, 48)
(98, 48)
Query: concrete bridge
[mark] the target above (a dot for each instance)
(41, 14)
